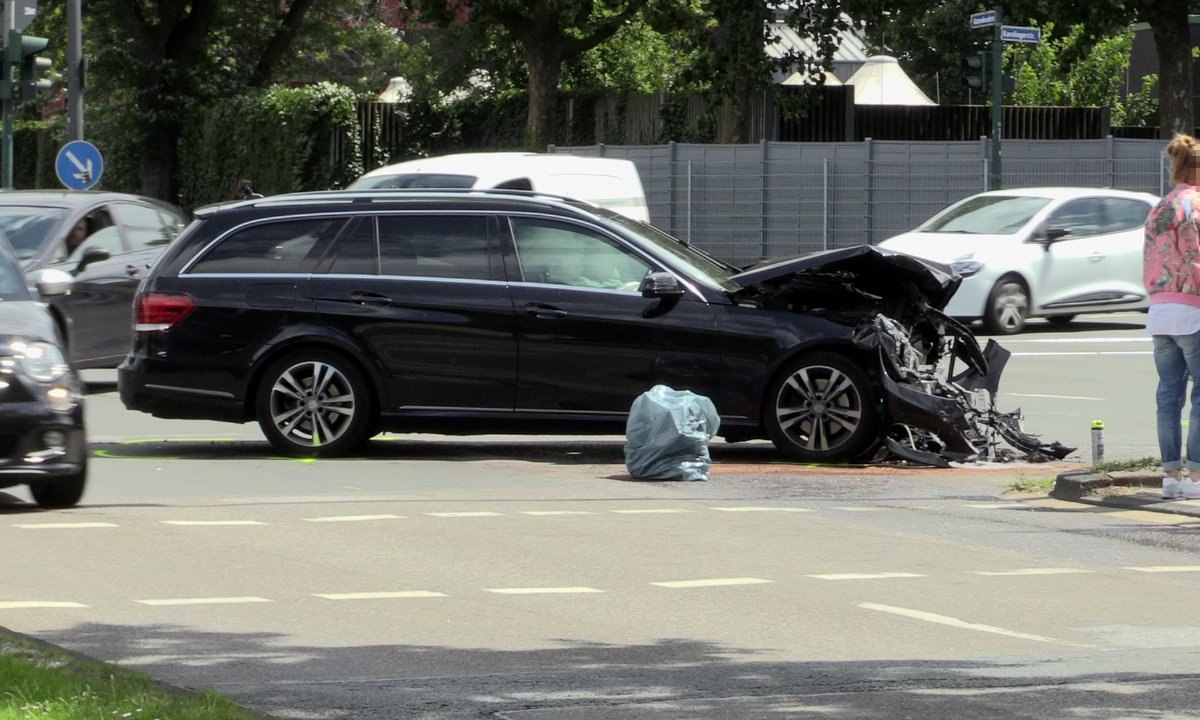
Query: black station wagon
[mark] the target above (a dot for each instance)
(330, 317)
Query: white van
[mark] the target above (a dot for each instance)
(608, 182)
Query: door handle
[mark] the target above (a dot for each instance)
(548, 312)
(369, 298)
(132, 270)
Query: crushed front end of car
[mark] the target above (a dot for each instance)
(938, 386)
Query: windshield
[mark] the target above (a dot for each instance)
(412, 180)
(696, 261)
(27, 227)
(986, 215)
(12, 279)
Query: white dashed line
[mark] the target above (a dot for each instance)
(207, 523)
(22, 604)
(964, 625)
(865, 576)
(1166, 568)
(540, 513)
(1033, 571)
(714, 582)
(543, 590)
(860, 509)
(353, 518)
(205, 601)
(479, 513)
(65, 526)
(1093, 352)
(656, 511)
(1053, 397)
(381, 595)
(760, 509)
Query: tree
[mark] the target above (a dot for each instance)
(172, 55)
(546, 32)
(735, 63)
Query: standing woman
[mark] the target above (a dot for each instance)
(1171, 272)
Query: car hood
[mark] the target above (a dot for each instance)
(875, 269)
(944, 247)
(26, 319)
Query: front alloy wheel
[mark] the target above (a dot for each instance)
(1008, 308)
(314, 404)
(821, 409)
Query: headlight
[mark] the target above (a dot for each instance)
(966, 268)
(41, 361)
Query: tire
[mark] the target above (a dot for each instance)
(1007, 307)
(1060, 320)
(63, 492)
(314, 390)
(821, 408)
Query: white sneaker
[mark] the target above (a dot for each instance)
(1189, 489)
(1173, 488)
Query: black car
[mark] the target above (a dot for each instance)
(330, 317)
(42, 440)
(107, 241)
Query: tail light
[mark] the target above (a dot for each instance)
(156, 312)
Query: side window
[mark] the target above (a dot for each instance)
(445, 246)
(143, 226)
(94, 229)
(1084, 217)
(560, 254)
(356, 252)
(1126, 214)
(290, 246)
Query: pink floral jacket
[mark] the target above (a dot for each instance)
(1171, 255)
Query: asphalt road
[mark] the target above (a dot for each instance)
(531, 578)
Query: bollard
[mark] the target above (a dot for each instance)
(1097, 442)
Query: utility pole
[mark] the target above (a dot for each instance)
(76, 78)
(995, 176)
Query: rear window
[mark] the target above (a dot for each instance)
(413, 180)
(288, 246)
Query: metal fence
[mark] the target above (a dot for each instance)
(748, 202)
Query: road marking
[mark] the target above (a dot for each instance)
(381, 595)
(543, 590)
(995, 506)
(1053, 397)
(65, 526)
(964, 625)
(476, 513)
(865, 576)
(1033, 571)
(860, 509)
(202, 523)
(1149, 516)
(1165, 568)
(205, 601)
(760, 509)
(1091, 352)
(353, 518)
(22, 604)
(714, 582)
(1083, 340)
(659, 511)
(556, 512)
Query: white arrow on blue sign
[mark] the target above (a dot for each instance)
(987, 18)
(79, 165)
(1011, 33)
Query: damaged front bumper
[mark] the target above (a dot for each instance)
(938, 414)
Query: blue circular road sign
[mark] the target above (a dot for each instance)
(79, 165)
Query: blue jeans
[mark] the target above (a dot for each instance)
(1176, 357)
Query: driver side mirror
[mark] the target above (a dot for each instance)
(52, 282)
(92, 255)
(661, 285)
(1055, 233)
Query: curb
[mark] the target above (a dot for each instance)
(1088, 487)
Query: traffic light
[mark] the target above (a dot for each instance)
(974, 67)
(24, 66)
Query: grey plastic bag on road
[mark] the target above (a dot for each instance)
(667, 435)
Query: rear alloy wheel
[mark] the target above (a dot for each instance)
(314, 404)
(821, 409)
(1007, 308)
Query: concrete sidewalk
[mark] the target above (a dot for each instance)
(1129, 489)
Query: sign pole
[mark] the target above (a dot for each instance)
(6, 99)
(995, 176)
(75, 71)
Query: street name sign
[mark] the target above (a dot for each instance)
(1012, 33)
(79, 165)
(987, 18)
(18, 13)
